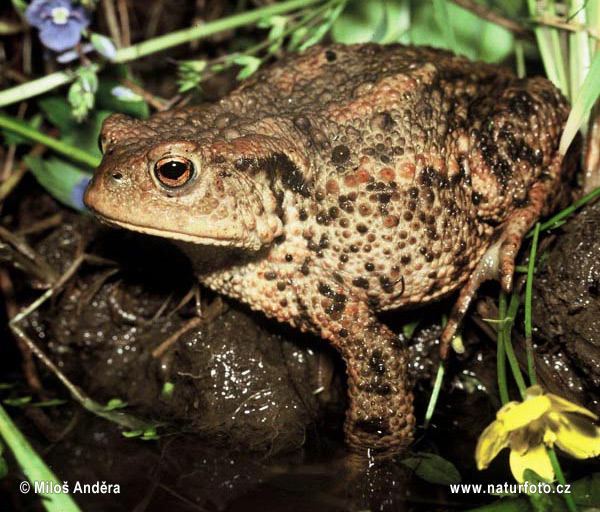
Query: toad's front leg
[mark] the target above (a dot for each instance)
(379, 418)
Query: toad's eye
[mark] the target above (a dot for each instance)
(173, 171)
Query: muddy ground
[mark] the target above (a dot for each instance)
(249, 411)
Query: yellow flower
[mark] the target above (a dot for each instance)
(527, 428)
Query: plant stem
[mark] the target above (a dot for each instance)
(528, 295)
(71, 152)
(189, 34)
(35, 87)
(507, 325)
(561, 479)
(500, 353)
(49, 82)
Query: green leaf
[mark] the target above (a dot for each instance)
(88, 78)
(584, 101)
(148, 434)
(81, 101)
(58, 112)
(542, 501)
(441, 16)
(190, 74)
(82, 93)
(376, 21)
(115, 403)
(167, 390)
(17, 402)
(277, 25)
(249, 65)
(64, 181)
(296, 38)
(409, 329)
(85, 135)
(104, 46)
(476, 38)
(132, 433)
(586, 491)
(433, 468)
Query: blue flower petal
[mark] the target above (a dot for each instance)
(36, 12)
(77, 193)
(71, 55)
(81, 15)
(61, 3)
(60, 37)
(68, 56)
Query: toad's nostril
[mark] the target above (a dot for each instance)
(117, 175)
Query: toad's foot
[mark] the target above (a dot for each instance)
(498, 262)
(379, 420)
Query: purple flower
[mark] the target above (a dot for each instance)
(59, 21)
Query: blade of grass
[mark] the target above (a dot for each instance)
(549, 47)
(579, 50)
(34, 467)
(550, 223)
(435, 393)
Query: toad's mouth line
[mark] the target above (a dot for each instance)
(164, 233)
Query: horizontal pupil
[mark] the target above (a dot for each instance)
(173, 170)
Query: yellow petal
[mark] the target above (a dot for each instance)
(535, 458)
(560, 404)
(578, 436)
(491, 441)
(524, 413)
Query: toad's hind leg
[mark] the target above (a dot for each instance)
(498, 262)
(379, 419)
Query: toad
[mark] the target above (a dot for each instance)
(342, 182)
